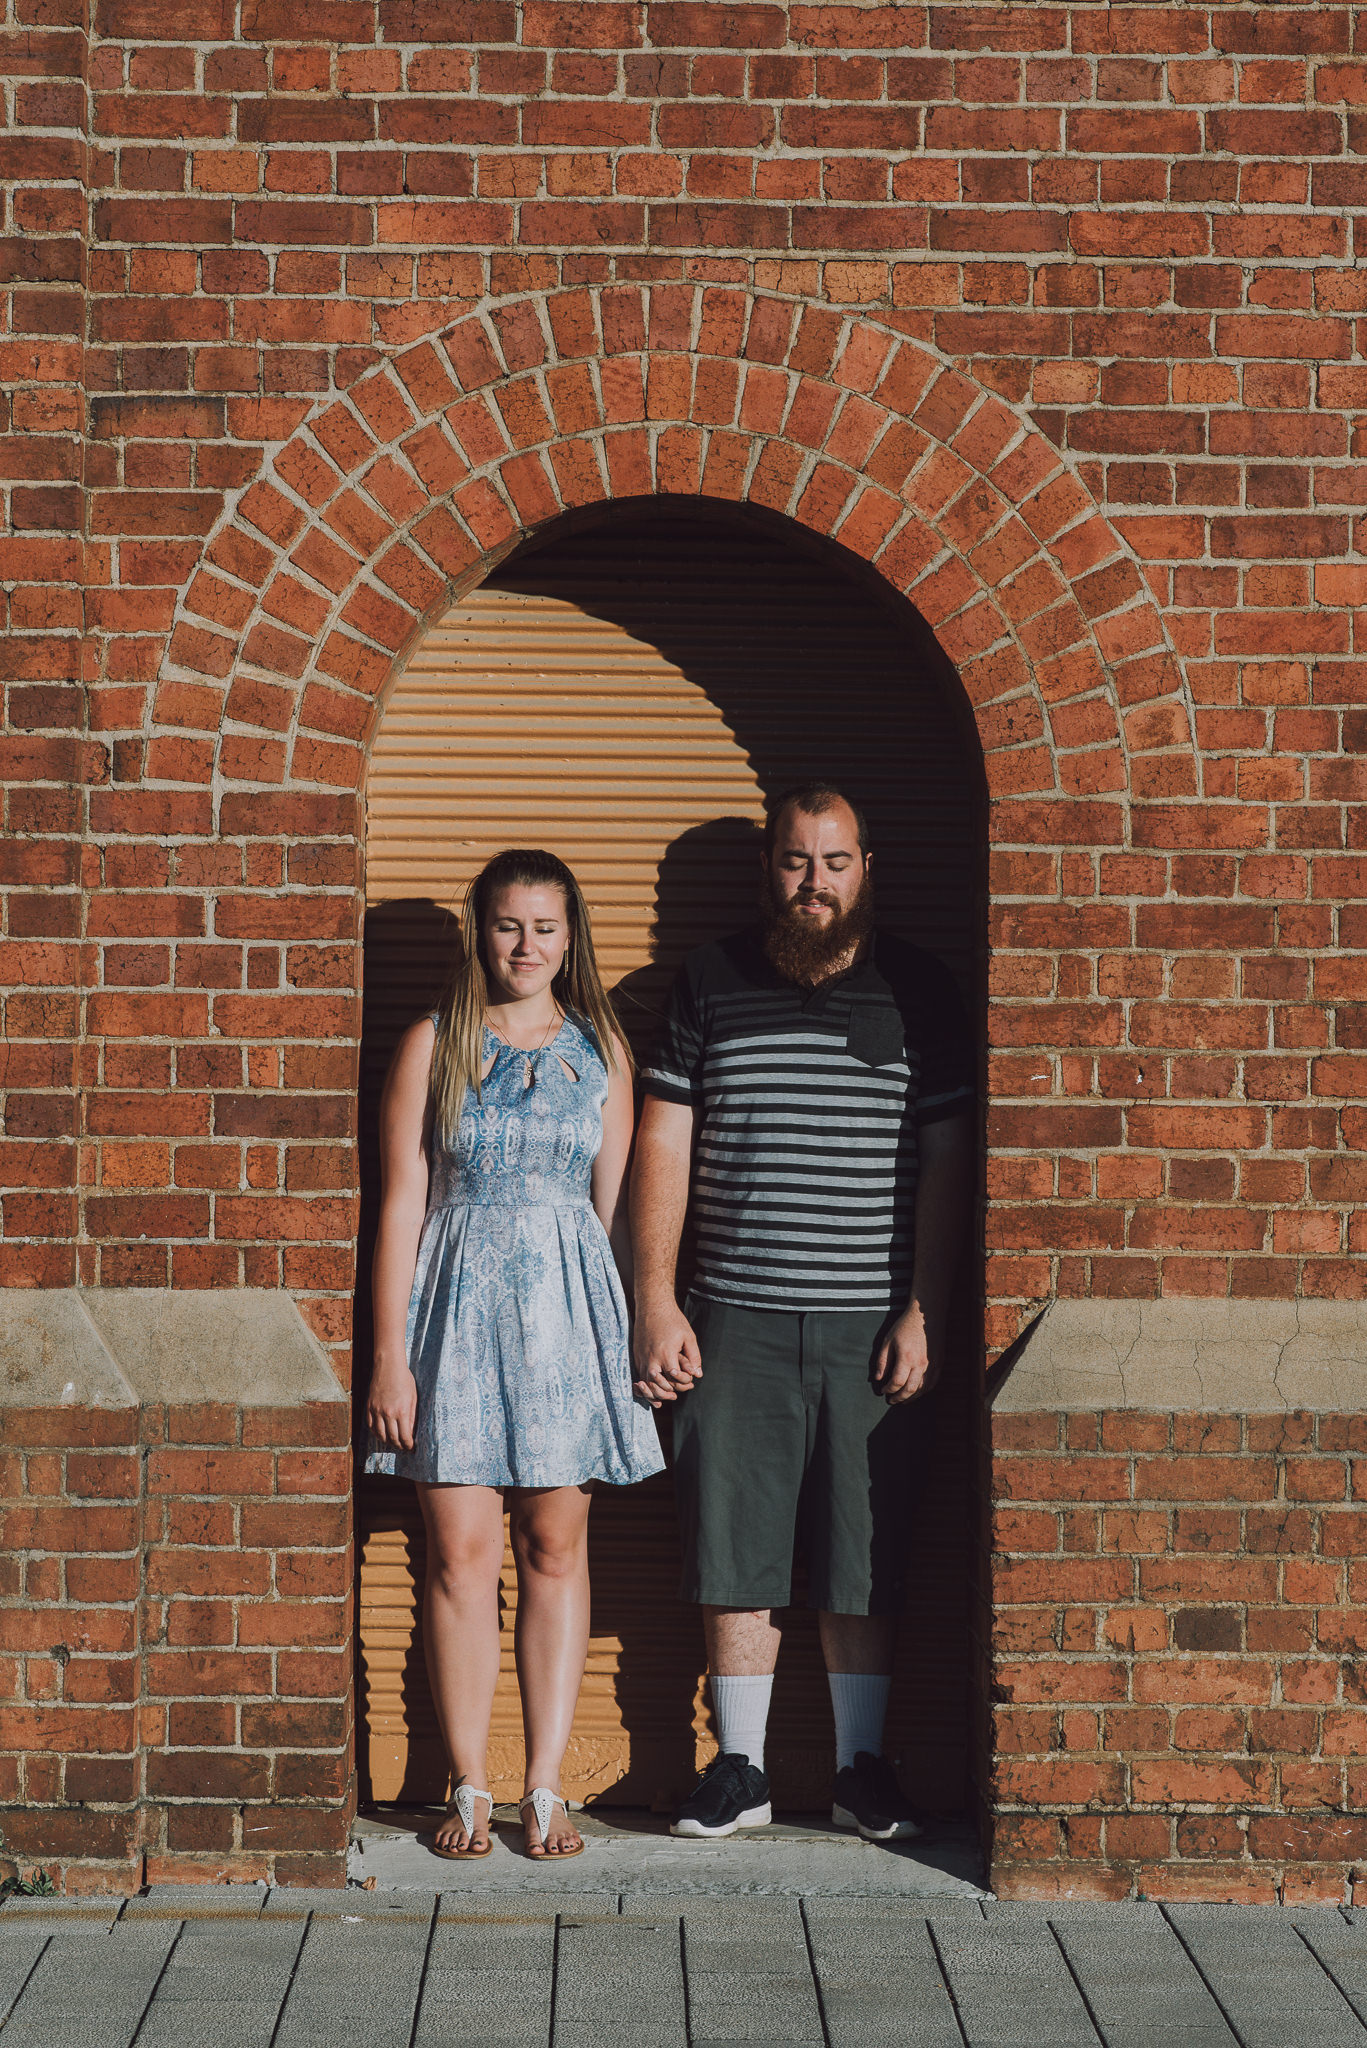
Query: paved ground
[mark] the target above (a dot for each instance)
(251, 1969)
(641, 1967)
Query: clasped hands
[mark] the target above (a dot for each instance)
(666, 1352)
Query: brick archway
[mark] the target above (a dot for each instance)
(393, 498)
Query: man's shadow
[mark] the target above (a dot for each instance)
(706, 886)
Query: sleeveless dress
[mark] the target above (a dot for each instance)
(517, 1325)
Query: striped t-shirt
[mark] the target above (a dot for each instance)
(804, 1179)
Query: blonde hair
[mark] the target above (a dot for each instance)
(458, 1056)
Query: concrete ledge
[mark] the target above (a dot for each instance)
(1222, 1357)
(247, 1346)
(53, 1355)
(117, 1347)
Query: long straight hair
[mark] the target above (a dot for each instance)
(458, 1057)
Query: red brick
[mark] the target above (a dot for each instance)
(1127, 1086)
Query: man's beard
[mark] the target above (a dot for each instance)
(802, 949)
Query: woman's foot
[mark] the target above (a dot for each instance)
(465, 1829)
(562, 1837)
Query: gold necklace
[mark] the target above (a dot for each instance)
(533, 1053)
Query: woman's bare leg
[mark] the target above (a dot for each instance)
(550, 1542)
(460, 1633)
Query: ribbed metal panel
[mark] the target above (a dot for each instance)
(627, 697)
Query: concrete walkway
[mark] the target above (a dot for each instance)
(742, 1960)
(630, 1852)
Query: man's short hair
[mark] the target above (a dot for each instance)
(812, 798)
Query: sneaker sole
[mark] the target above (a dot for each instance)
(897, 1831)
(753, 1817)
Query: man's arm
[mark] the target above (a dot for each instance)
(912, 1354)
(666, 1351)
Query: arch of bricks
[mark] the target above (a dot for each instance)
(394, 497)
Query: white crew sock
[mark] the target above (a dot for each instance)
(859, 1700)
(742, 1709)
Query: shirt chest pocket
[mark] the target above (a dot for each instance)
(875, 1036)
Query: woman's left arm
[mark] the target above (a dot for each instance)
(610, 1168)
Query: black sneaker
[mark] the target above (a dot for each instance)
(730, 1794)
(869, 1798)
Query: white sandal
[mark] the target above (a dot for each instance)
(463, 1806)
(543, 1803)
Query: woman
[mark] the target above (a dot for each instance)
(501, 1362)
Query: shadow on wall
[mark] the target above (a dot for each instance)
(410, 948)
(816, 669)
(707, 885)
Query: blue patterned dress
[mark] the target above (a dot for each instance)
(517, 1326)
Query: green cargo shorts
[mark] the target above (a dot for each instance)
(785, 1431)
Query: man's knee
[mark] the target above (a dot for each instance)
(740, 1639)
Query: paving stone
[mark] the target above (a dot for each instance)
(357, 1980)
(857, 1907)
(489, 1978)
(197, 1902)
(90, 1988)
(747, 1969)
(1340, 1944)
(1058, 1912)
(620, 1980)
(1011, 1984)
(210, 2024)
(20, 1948)
(1140, 1983)
(290, 1902)
(225, 1983)
(1341, 1923)
(94, 1909)
(879, 1978)
(517, 1907)
(1273, 1987)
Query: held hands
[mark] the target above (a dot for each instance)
(392, 1407)
(666, 1352)
(908, 1360)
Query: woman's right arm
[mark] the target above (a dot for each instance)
(392, 1409)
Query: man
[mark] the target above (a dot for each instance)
(814, 1089)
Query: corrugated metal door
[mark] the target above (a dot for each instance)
(626, 694)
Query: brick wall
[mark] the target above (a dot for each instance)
(1052, 313)
(1179, 1610)
(175, 1642)
(70, 1651)
(1135, 225)
(247, 1632)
